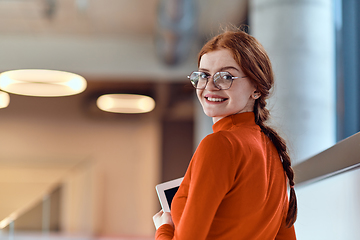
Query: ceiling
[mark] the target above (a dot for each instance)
(78, 17)
(107, 17)
(104, 38)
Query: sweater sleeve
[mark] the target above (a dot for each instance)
(212, 175)
(164, 232)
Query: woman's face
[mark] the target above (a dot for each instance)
(240, 97)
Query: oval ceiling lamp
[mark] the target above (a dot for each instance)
(125, 103)
(4, 99)
(42, 83)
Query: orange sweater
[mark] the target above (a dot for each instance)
(234, 188)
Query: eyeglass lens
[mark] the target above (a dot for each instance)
(222, 80)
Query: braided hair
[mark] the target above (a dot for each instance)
(255, 63)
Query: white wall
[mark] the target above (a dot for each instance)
(330, 209)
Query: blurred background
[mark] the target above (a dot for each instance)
(69, 170)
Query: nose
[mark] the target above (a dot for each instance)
(211, 85)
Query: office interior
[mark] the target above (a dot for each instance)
(71, 171)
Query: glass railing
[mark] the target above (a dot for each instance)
(342, 157)
(328, 192)
(30, 196)
(41, 217)
(51, 200)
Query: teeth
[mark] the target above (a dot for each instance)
(215, 99)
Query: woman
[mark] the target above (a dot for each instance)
(236, 183)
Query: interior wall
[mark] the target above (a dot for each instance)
(124, 151)
(329, 209)
(177, 148)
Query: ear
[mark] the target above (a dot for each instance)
(256, 94)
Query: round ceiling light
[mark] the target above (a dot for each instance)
(4, 99)
(125, 103)
(42, 83)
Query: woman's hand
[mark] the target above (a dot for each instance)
(162, 218)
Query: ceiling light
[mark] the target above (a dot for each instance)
(4, 99)
(42, 83)
(125, 103)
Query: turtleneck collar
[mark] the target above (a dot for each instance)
(246, 118)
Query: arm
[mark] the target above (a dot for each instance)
(212, 175)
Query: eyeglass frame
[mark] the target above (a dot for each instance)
(209, 76)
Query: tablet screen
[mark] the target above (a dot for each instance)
(170, 193)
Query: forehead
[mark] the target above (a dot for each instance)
(218, 59)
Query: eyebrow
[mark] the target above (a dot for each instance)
(221, 69)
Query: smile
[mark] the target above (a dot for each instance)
(215, 99)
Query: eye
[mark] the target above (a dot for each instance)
(203, 75)
(227, 76)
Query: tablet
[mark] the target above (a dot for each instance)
(166, 191)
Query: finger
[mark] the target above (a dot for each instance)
(159, 214)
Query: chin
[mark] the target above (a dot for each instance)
(210, 113)
(213, 115)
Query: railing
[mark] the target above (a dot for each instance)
(342, 157)
(327, 187)
(52, 194)
(42, 205)
(30, 194)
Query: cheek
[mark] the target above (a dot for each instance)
(199, 94)
(240, 99)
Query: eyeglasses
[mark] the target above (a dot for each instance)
(221, 80)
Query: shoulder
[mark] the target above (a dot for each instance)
(215, 156)
(228, 139)
(214, 145)
(220, 136)
(219, 139)
(238, 141)
(223, 143)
